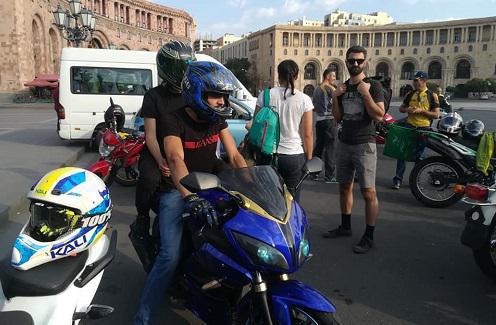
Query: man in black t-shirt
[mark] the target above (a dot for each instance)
(157, 103)
(190, 142)
(357, 104)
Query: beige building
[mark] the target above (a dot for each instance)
(227, 39)
(306, 22)
(452, 52)
(30, 44)
(344, 18)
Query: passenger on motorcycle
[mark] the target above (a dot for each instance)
(172, 59)
(422, 106)
(190, 142)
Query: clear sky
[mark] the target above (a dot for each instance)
(214, 18)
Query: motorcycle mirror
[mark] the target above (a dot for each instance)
(197, 181)
(111, 102)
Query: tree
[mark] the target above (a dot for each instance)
(240, 68)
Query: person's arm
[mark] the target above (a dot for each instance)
(153, 146)
(434, 111)
(175, 156)
(374, 110)
(336, 110)
(306, 131)
(236, 160)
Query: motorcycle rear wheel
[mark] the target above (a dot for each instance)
(486, 256)
(127, 176)
(425, 168)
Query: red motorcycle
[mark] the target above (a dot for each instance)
(119, 150)
(119, 157)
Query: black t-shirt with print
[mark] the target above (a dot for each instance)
(199, 143)
(357, 126)
(158, 102)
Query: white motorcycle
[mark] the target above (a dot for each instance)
(59, 292)
(480, 230)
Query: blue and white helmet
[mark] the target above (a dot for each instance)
(201, 78)
(69, 211)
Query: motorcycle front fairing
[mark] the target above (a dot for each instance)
(101, 167)
(479, 218)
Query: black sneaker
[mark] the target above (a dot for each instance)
(140, 228)
(363, 246)
(338, 232)
(396, 185)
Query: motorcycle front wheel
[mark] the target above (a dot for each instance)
(127, 176)
(432, 181)
(299, 316)
(486, 256)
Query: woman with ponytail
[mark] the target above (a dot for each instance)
(295, 119)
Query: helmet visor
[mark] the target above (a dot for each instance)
(51, 219)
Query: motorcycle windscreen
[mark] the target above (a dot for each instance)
(261, 184)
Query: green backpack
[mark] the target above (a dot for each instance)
(265, 130)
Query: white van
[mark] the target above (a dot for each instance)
(89, 77)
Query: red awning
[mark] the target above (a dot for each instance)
(48, 77)
(41, 83)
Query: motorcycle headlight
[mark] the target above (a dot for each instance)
(105, 149)
(304, 249)
(262, 253)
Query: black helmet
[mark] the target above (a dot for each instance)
(473, 130)
(172, 60)
(450, 124)
(115, 117)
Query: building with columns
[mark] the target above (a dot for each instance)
(452, 52)
(30, 44)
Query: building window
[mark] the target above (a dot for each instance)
(128, 35)
(329, 53)
(402, 51)
(443, 36)
(415, 51)
(308, 90)
(270, 71)
(306, 40)
(317, 52)
(456, 49)
(390, 51)
(382, 69)
(435, 69)
(329, 41)
(484, 47)
(295, 52)
(470, 48)
(353, 39)
(377, 39)
(403, 38)
(472, 34)
(310, 71)
(285, 51)
(334, 67)
(306, 52)
(462, 69)
(416, 38)
(428, 50)
(429, 37)
(118, 32)
(495, 69)
(318, 40)
(407, 71)
(441, 50)
(366, 40)
(285, 39)
(457, 35)
(377, 52)
(341, 40)
(340, 52)
(390, 39)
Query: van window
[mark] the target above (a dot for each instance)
(110, 81)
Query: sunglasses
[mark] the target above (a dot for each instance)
(352, 61)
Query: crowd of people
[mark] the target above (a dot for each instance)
(185, 119)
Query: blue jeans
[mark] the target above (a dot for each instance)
(159, 278)
(290, 166)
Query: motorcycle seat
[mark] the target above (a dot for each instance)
(44, 280)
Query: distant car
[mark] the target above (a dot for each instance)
(484, 97)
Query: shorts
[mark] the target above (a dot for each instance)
(361, 158)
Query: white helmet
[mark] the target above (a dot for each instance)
(69, 211)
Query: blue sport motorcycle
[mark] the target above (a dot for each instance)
(238, 272)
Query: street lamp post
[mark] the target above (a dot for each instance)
(78, 23)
